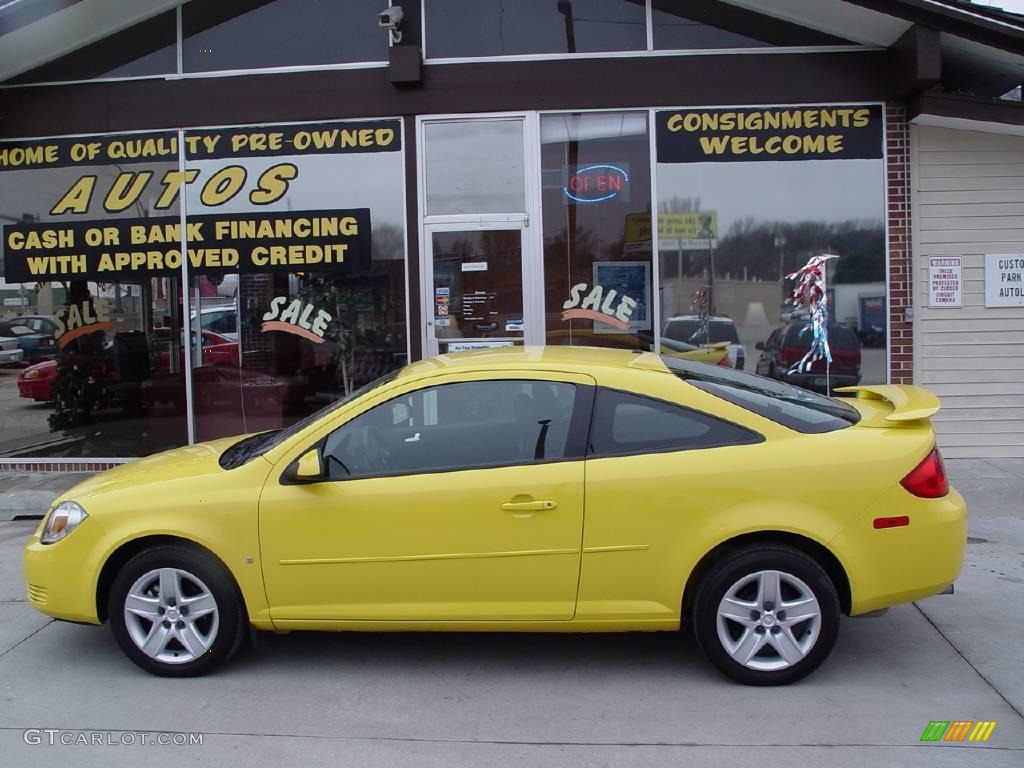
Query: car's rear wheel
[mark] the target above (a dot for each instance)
(766, 615)
(176, 611)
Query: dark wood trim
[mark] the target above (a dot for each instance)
(979, 27)
(23, 14)
(917, 60)
(613, 83)
(412, 235)
(966, 108)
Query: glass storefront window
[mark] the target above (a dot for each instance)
(98, 334)
(747, 196)
(474, 166)
(597, 258)
(462, 28)
(147, 48)
(312, 304)
(250, 34)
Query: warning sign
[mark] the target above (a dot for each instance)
(945, 281)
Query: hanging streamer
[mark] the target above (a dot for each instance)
(699, 304)
(810, 292)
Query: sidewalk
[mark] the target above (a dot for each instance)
(998, 482)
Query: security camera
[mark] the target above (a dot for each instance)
(390, 19)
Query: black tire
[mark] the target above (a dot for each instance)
(735, 568)
(196, 567)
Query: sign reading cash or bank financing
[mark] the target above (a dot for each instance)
(115, 219)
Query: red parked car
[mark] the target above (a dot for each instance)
(36, 381)
(787, 346)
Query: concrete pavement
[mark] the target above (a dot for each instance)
(548, 700)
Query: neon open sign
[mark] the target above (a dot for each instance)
(597, 183)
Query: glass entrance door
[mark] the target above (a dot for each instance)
(479, 181)
(476, 288)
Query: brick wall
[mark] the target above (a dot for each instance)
(901, 338)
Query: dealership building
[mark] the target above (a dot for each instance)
(220, 216)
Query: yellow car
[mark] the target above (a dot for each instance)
(550, 489)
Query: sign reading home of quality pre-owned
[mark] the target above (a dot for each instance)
(769, 133)
(1004, 279)
(112, 249)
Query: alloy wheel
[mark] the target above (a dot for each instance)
(769, 620)
(171, 615)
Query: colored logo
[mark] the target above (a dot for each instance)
(958, 730)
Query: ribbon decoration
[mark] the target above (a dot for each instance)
(810, 291)
(699, 304)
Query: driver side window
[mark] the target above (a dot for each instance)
(455, 426)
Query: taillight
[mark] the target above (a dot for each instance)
(928, 479)
(724, 362)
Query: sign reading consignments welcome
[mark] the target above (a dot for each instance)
(738, 135)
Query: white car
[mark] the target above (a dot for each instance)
(220, 320)
(686, 328)
(10, 351)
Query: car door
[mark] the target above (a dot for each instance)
(457, 500)
(657, 472)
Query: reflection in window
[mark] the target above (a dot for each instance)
(455, 426)
(146, 48)
(458, 28)
(769, 218)
(597, 247)
(680, 25)
(474, 166)
(249, 34)
(627, 423)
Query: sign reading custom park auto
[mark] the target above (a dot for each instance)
(738, 135)
(336, 240)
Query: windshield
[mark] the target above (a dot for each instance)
(256, 445)
(784, 404)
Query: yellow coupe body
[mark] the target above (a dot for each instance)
(574, 537)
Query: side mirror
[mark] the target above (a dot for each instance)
(759, 346)
(308, 468)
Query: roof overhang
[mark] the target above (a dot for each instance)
(967, 114)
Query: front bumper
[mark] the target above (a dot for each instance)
(8, 356)
(59, 577)
(35, 389)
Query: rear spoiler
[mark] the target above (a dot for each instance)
(909, 403)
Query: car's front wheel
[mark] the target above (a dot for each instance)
(176, 611)
(766, 615)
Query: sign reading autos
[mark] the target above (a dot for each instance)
(112, 202)
(769, 133)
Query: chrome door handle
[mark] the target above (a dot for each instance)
(528, 506)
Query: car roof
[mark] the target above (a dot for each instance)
(717, 318)
(537, 357)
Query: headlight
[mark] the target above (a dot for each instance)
(33, 374)
(61, 521)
